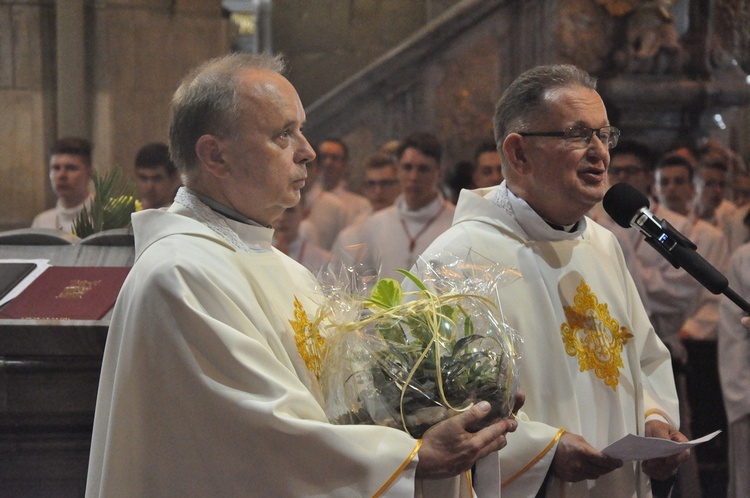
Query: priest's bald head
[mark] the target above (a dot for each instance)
(236, 135)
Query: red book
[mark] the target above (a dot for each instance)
(69, 293)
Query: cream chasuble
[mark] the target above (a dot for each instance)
(203, 391)
(591, 365)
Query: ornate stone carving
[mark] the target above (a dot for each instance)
(584, 35)
(733, 30)
(651, 40)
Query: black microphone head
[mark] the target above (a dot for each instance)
(622, 201)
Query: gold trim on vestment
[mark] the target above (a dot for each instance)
(400, 469)
(536, 459)
(656, 411)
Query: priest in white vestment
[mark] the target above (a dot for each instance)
(593, 369)
(203, 390)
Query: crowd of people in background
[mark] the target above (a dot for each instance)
(406, 199)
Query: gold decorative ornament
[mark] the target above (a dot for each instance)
(76, 289)
(594, 336)
(245, 21)
(310, 343)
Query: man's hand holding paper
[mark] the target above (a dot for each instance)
(664, 467)
(662, 449)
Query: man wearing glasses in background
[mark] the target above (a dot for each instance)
(380, 183)
(632, 163)
(593, 369)
(333, 157)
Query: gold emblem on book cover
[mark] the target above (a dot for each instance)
(76, 289)
(594, 336)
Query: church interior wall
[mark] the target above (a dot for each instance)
(138, 50)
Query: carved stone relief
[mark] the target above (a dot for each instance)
(465, 100)
(584, 35)
(733, 30)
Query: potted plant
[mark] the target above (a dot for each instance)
(411, 359)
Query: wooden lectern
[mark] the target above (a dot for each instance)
(49, 373)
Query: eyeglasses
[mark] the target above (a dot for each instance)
(580, 136)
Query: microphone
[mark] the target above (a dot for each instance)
(629, 208)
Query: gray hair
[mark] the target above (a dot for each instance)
(524, 99)
(209, 102)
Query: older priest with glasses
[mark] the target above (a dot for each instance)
(593, 370)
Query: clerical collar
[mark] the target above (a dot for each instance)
(533, 224)
(225, 210)
(563, 228)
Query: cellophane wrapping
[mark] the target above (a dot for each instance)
(409, 357)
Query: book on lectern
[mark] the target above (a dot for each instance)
(69, 293)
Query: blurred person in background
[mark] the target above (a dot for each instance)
(487, 163)
(333, 158)
(156, 177)
(70, 171)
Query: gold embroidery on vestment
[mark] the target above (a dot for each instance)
(307, 338)
(594, 336)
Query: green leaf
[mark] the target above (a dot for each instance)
(113, 203)
(468, 326)
(421, 331)
(387, 294)
(392, 332)
(413, 278)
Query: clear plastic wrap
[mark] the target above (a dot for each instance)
(410, 357)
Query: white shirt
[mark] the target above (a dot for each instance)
(60, 217)
(356, 205)
(394, 237)
(326, 213)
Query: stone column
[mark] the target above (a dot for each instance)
(72, 108)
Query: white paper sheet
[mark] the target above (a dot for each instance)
(633, 447)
